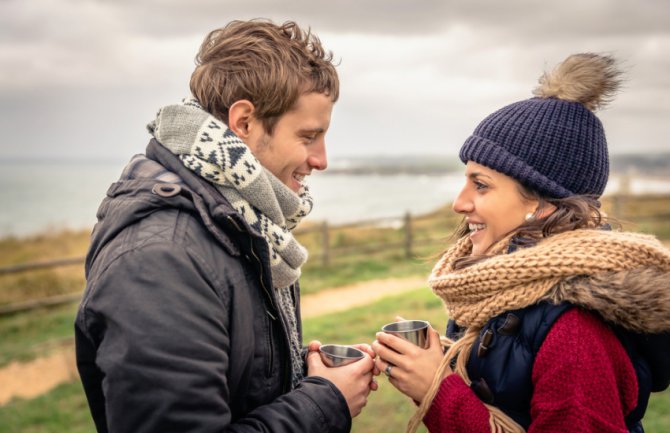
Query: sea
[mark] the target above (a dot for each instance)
(38, 197)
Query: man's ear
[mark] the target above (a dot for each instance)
(240, 117)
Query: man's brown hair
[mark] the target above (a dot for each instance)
(268, 64)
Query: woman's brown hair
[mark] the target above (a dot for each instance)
(267, 64)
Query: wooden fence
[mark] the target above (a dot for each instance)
(328, 250)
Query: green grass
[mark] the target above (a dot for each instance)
(64, 409)
(28, 335)
(657, 417)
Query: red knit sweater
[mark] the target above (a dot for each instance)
(583, 381)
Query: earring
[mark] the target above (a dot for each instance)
(530, 217)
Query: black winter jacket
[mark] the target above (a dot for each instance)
(178, 329)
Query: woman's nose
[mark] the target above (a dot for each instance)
(462, 203)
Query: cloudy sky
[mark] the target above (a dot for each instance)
(81, 78)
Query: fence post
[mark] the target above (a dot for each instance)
(408, 235)
(325, 244)
(619, 199)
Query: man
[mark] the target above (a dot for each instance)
(190, 319)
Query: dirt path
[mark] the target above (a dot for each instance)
(355, 295)
(31, 379)
(34, 378)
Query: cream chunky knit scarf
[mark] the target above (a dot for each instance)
(576, 266)
(206, 146)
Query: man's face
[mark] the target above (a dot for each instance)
(297, 145)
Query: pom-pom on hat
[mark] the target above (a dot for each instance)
(553, 143)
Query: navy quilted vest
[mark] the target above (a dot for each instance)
(502, 359)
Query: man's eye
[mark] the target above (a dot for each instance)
(479, 185)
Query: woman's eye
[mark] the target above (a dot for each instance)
(479, 185)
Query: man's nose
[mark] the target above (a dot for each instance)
(317, 158)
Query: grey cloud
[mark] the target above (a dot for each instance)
(507, 22)
(93, 30)
(372, 16)
(571, 19)
(513, 20)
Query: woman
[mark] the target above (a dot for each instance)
(557, 323)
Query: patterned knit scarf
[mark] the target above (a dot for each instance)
(546, 271)
(206, 146)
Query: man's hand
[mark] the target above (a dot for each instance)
(354, 380)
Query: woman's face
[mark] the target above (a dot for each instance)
(492, 205)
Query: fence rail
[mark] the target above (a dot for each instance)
(51, 301)
(24, 267)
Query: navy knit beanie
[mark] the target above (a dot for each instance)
(553, 143)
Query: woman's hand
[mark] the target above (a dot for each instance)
(366, 348)
(412, 368)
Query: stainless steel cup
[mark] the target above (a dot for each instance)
(414, 331)
(337, 355)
